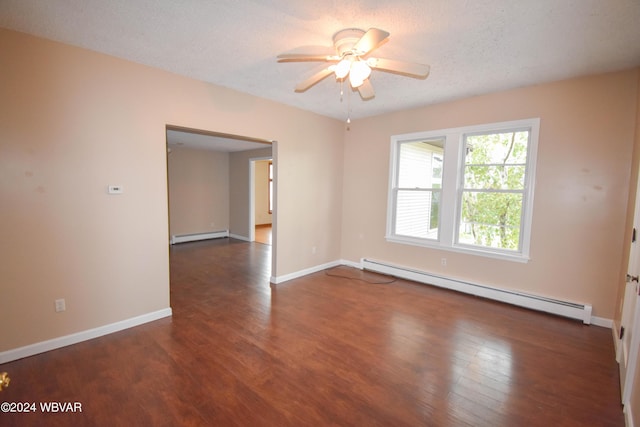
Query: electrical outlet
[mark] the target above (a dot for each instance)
(60, 305)
(443, 261)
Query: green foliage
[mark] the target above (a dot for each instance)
(493, 189)
(434, 211)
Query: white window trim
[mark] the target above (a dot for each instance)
(452, 174)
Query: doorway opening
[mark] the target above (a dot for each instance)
(262, 195)
(211, 185)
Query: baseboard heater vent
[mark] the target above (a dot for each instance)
(182, 238)
(534, 302)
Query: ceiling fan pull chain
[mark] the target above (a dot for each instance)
(349, 107)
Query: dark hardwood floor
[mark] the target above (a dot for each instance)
(335, 348)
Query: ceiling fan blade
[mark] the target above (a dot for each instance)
(370, 40)
(325, 72)
(407, 68)
(366, 90)
(309, 53)
(301, 57)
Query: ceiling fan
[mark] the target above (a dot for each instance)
(350, 57)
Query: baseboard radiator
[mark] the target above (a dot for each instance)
(534, 302)
(182, 238)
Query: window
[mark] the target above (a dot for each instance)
(465, 189)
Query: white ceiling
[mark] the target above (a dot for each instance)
(473, 46)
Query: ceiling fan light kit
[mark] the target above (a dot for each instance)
(350, 58)
(342, 68)
(359, 72)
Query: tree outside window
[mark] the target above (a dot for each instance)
(493, 189)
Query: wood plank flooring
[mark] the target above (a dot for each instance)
(263, 234)
(335, 348)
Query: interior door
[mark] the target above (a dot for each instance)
(630, 323)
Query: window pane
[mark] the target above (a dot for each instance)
(420, 164)
(491, 177)
(493, 161)
(491, 219)
(497, 148)
(417, 213)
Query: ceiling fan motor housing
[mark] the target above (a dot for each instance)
(344, 40)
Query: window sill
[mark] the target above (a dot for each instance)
(514, 257)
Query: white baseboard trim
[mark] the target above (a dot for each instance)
(602, 322)
(239, 237)
(52, 344)
(301, 273)
(198, 236)
(351, 264)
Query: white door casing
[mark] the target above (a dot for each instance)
(630, 321)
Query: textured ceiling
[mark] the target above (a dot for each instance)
(473, 46)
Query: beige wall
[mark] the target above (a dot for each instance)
(73, 122)
(240, 190)
(261, 186)
(584, 162)
(198, 191)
